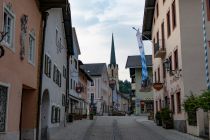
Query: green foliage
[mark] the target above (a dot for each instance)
(158, 116)
(204, 100)
(125, 86)
(194, 102)
(191, 104)
(166, 114)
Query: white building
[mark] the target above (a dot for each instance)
(54, 73)
(98, 90)
(75, 104)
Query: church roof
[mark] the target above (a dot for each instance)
(94, 69)
(135, 61)
(113, 57)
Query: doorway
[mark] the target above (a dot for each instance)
(44, 115)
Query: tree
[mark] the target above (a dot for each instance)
(125, 86)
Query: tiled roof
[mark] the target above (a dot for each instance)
(95, 69)
(135, 61)
(148, 19)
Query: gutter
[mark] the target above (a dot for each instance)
(44, 19)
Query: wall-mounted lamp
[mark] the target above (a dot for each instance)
(168, 66)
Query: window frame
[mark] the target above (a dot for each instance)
(178, 100)
(32, 35)
(7, 108)
(174, 18)
(11, 46)
(168, 18)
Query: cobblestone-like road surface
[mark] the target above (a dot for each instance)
(119, 128)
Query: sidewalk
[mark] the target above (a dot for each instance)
(73, 131)
(169, 134)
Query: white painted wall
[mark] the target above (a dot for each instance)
(55, 21)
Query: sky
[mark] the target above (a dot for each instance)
(96, 20)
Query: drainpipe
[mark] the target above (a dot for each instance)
(44, 21)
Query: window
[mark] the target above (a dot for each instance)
(92, 98)
(164, 1)
(55, 114)
(174, 14)
(63, 100)
(168, 23)
(75, 63)
(158, 75)
(158, 39)
(155, 77)
(208, 9)
(172, 103)
(57, 76)
(47, 66)
(170, 60)
(156, 106)
(8, 27)
(3, 106)
(164, 71)
(71, 83)
(178, 99)
(92, 83)
(163, 35)
(157, 10)
(160, 104)
(31, 56)
(112, 73)
(176, 64)
(64, 72)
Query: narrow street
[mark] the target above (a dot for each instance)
(119, 128)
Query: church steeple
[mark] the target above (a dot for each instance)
(113, 58)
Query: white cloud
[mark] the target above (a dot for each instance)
(95, 20)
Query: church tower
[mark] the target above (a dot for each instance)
(113, 67)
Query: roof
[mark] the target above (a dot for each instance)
(148, 19)
(47, 4)
(74, 34)
(135, 61)
(85, 73)
(68, 28)
(94, 69)
(113, 57)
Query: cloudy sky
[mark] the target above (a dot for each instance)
(96, 20)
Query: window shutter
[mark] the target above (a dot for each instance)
(50, 65)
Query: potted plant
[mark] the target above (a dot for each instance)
(166, 116)
(158, 119)
(91, 115)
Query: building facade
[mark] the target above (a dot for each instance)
(99, 92)
(84, 79)
(54, 74)
(143, 95)
(19, 68)
(178, 41)
(75, 102)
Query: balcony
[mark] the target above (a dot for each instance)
(158, 86)
(159, 51)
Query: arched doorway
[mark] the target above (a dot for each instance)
(44, 114)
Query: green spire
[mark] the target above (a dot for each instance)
(113, 58)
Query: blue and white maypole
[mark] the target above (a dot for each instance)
(205, 44)
(143, 58)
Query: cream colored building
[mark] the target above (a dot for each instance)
(175, 28)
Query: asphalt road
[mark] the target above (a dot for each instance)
(131, 128)
(117, 128)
